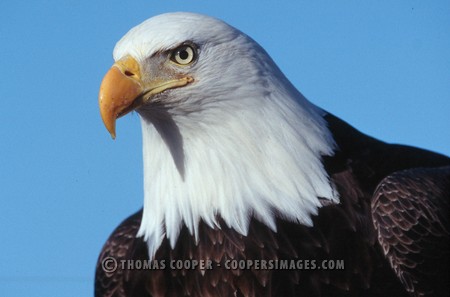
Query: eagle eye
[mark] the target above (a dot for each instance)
(183, 55)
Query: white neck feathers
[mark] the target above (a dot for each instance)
(260, 160)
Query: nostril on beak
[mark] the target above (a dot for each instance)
(129, 73)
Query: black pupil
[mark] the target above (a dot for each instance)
(183, 54)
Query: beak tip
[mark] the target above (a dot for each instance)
(112, 130)
(109, 120)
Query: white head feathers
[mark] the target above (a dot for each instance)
(239, 142)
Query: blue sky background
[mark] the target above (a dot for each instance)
(383, 66)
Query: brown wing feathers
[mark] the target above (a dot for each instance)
(410, 211)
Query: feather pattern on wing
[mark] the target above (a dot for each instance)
(411, 213)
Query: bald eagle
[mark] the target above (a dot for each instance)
(242, 171)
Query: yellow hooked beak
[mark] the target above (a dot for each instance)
(123, 90)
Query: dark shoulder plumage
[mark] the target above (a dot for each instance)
(409, 204)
